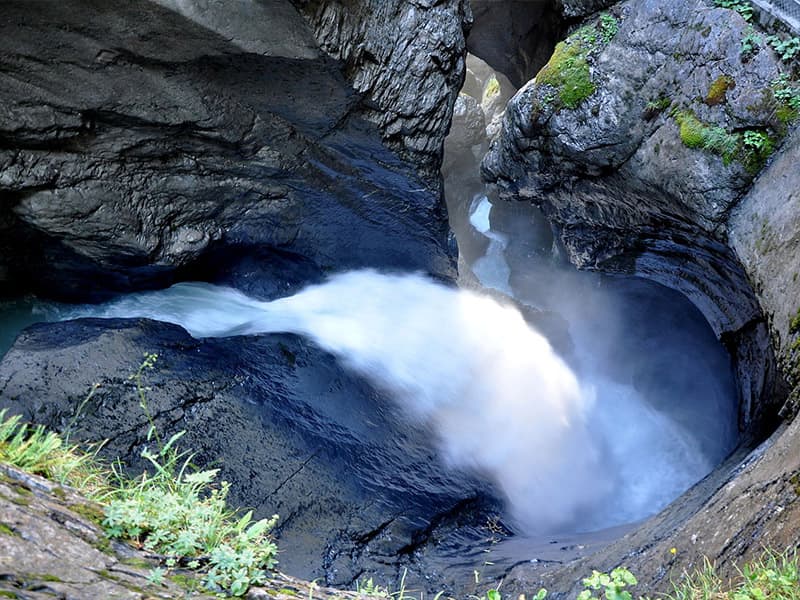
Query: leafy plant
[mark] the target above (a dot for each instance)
(787, 48)
(612, 585)
(787, 93)
(609, 26)
(178, 511)
(758, 141)
(743, 7)
(751, 43)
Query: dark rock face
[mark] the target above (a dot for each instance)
(358, 488)
(406, 57)
(618, 178)
(135, 141)
(515, 37)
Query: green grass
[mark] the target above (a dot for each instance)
(174, 510)
(774, 576)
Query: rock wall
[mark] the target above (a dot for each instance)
(136, 141)
(635, 153)
(637, 156)
(406, 57)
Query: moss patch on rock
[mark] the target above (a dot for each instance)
(568, 69)
(697, 134)
(751, 147)
(568, 72)
(717, 91)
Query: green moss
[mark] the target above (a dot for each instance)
(568, 68)
(187, 582)
(6, 530)
(89, 511)
(137, 563)
(795, 481)
(287, 592)
(568, 72)
(698, 135)
(718, 90)
(7, 594)
(492, 88)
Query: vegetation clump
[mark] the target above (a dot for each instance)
(785, 48)
(699, 135)
(751, 147)
(568, 69)
(743, 7)
(787, 94)
(751, 44)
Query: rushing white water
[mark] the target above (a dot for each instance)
(496, 395)
(491, 269)
(566, 456)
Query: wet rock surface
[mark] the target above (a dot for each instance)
(136, 141)
(359, 489)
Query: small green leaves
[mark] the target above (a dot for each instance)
(612, 585)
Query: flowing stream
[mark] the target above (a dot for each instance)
(569, 452)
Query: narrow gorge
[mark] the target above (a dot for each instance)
(470, 293)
